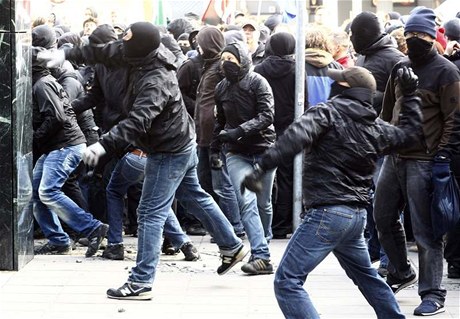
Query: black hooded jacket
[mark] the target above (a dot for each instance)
(157, 120)
(74, 89)
(280, 74)
(342, 140)
(247, 104)
(54, 122)
(380, 58)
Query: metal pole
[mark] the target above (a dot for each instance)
(259, 9)
(299, 107)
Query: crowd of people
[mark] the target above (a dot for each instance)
(190, 129)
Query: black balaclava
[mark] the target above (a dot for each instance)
(421, 20)
(231, 69)
(145, 39)
(365, 31)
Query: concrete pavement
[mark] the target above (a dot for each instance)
(72, 286)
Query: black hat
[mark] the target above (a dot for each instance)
(452, 29)
(145, 38)
(365, 30)
(44, 36)
(273, 21)
(183, 37)
(233, 50)
(281, 44)
(355, 76)
(422, 20)
(104, 33)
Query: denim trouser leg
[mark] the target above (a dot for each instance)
(264, 203)
(430, 250)
(173, 231)
(50, 173)
(388, 204)
(128, 171)
(202, 206)
(167, 174)
(326, 229)
(217, 183)
(228, 202)
(238, 167)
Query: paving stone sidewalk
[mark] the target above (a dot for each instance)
(72, 286)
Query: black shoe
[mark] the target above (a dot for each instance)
(258, 267)
(229, 261)
(95, 239)
(114, 252)
(190, 252)
(130, 292)
(83, 241)
(241, 235)
(196, 230)
(167, 248)
(453, 272)
(50, 249)
(397, 284)
(279, 236)
(131, 230)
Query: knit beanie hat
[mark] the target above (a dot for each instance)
(452, 29)
(233, 50)
(422, 20)
(44, 36)
(145, 39)
(281, 44)
(365, 30)
(104, 33)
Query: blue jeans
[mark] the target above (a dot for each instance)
(49, 174)
(338, 229)
(218, 181)
(258, 227)
(128, 172)
(166, 175)
(405, 181)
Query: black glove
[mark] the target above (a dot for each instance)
(231, 135)
(252, 181)
(215, 161)
(408, 81)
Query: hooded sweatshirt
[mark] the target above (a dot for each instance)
(279, 70)
(318, 83)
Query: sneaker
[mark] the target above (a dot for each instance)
(130, 291)
(190, 252)
(397, 284)
(428, 308)
(229, 261)
(95, 239)
(114, 252)
(196, 230)
(50, 249)
(167, 247)
(258, 266)
(453, 272)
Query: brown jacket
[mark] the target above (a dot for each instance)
(439, 89)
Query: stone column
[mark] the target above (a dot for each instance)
(16, 221)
